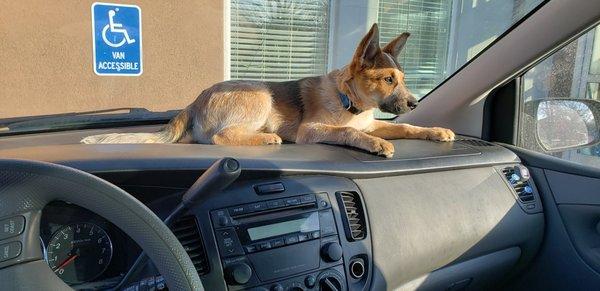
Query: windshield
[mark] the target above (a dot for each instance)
(157, 56)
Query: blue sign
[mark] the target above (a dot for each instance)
(117, 39)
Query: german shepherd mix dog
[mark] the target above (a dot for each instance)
(336, 108)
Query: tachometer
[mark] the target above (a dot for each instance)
(79, 252)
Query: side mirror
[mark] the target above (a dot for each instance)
(562, 124)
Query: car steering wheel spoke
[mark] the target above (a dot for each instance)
(21, 252)
(20, 239)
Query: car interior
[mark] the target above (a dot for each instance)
(511, 204)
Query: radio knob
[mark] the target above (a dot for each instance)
(239, 274)
(223, 220)
(310, 281)
(331, 252)
(331, 281)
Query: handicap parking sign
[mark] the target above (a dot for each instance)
(117, 36)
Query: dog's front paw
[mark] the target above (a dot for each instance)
(440, 134)
(271, 138)
(382, 147)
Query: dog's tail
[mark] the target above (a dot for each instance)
(171, 133)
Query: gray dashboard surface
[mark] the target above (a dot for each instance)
(424, 222)
(411, 155)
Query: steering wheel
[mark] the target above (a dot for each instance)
(27, 186)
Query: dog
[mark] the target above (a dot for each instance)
(336, 108)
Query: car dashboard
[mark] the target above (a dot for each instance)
(304, 217)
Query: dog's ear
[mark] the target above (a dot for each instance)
(395, 46)
(367, 50)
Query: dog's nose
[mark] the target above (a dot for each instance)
(412, 104)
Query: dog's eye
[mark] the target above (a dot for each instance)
(389, 80)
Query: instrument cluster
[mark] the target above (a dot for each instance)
(83, 249)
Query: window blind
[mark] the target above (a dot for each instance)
(424, 56)
(279, 40)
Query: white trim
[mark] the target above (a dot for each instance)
(94, 40)
(226, 39)
(333, 15)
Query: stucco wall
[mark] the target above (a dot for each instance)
(46, 61)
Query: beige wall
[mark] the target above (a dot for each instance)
(46, 62)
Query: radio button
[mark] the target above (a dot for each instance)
(310, 281)
(251, 248)
(264, 245)
(228, 243)
(308, 198)
(221, 218)
(239, 210)
(255, 207)
(238, 274)
(327, 223)
(323, 200)
(292, 239)
(223, 221)
(332, 252)
(303, 237)
(292, 201)
(275, 204)
(269, 188)
(277, 242)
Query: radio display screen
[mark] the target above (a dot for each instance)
(305, 224)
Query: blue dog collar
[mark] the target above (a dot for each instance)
(347, 104)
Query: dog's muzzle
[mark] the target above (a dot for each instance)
(397, 106)
(412, 104)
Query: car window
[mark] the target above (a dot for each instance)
(283, 40)
(83, 57)
(559, 101)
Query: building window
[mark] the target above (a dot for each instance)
(279, 40)
(425, 56)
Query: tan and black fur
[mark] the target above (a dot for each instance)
(308, 110)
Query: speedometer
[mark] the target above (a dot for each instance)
(79, 252)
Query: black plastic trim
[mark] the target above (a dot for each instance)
(500, 108)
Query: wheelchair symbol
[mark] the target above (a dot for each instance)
(115, 28)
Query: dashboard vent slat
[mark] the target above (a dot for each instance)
(187, 232)
(354, 216)
(522, 188)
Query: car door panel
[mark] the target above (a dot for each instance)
(569, 256)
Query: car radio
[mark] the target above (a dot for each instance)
(263, 244)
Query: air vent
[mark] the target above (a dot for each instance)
(521, 186)
(354, 218)
(475, 142)
(186, 231)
